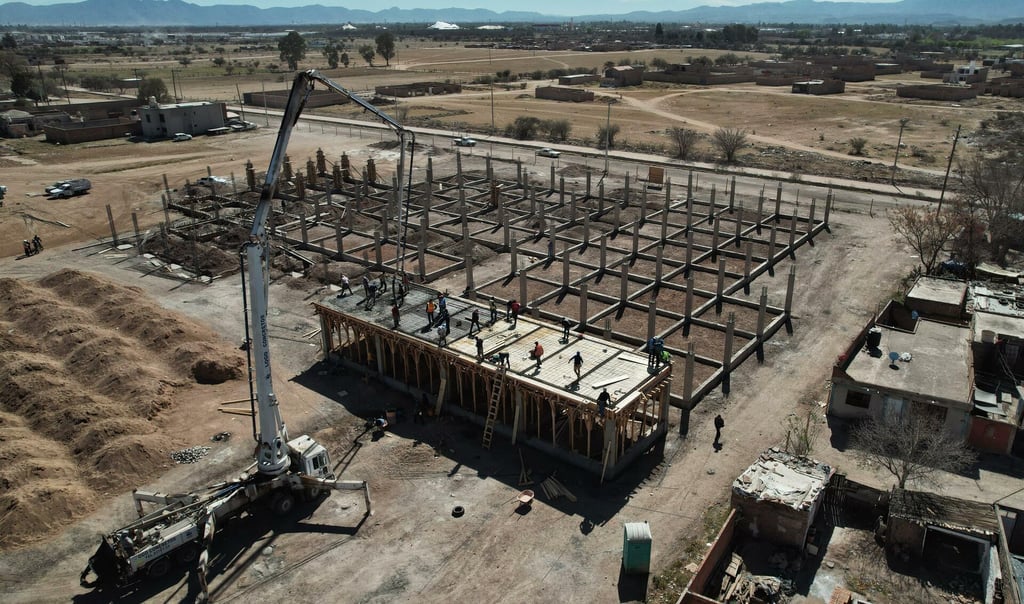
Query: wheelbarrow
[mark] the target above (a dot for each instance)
(525, 498)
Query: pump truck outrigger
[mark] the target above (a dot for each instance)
(181, 529)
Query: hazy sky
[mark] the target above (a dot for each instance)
(565, 7)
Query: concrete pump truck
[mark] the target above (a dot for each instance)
(181, 528)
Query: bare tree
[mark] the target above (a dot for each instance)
(926, 232)
(912, 448)
(857, 145)
(685, 140)
(993, 193)
(728, 141)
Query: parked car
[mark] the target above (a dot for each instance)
(69, 188)
(464, 141)
(182, 136)
(546, 152)
(209, 181)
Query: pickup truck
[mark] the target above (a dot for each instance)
(69, 188)
(464, 141)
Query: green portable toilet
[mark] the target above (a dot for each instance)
(636, 548)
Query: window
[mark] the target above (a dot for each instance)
(855, 398)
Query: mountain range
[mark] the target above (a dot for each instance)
(168, 13)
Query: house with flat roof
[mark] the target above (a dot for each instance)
(163, 121)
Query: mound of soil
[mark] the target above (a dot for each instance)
(88, 372)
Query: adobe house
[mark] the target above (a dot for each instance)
(778, 496)
(623, 75)
(818, 87)
(558, 93)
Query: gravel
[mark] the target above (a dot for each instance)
(190, 455)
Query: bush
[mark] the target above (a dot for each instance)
(524, 128)
(728, 141)
(857, 145)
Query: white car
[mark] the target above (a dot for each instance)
(182, 136)
(464, 141)
(209, 181)
(546, 152)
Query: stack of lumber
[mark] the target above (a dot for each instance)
(554, 489)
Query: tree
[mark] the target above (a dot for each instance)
(685, 140)
(367, 52)
(331, 53)
(185, 61)
(219, 61)
(857, 145)
(344, 59)
(523, 128)
(8, 42)
(659, 63)
(993, 192)
(385, 46)
(558, 130)
(912, 447)
(153, 87)
(728, 141)
(926, 231)
(606, 134)
(292, 48)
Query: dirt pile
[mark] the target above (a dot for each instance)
(88, 369)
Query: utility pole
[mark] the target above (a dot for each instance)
(949, 166)
(492, 105)
(899, 142)
(607, 135)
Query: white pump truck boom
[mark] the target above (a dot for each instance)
(181, 529)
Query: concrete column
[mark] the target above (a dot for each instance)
(739, 227)
(458, 169)
(428, 200)
(760, 210)
(522, 290)
(611, 448)
(464, 223)
(572, 207)
(552, 177)
(606, 329)
(430, 173)
(513, 261)
(287, 168)
(689, 214)
(135, 225)
(652, 316)
(711, 204)
(350, 216)
(624, 284)
(792, 232)
(747, 258)
(789, 289)
(561, 191)
(810, 216)
(668, 190)
(828, 208)
(588, 183)
(732, 195)
(565, 266)
(250, 176)
(167, 212)
(385, 224)
(532, 194)
(600, 198)
(778, 202)
(664, 222)
(488, 168)
(339, 240)
(689, 253)
(616, 218)
(684, 416)
(586, 229)
(379, 346)
(551, 245)
(625, 193)
(721, 284)
(730, 327)
(688, 307)
(421, 249)
(302, 225)
(311, 172)
(762, 310)
(658, 264)
(519, 172)
(604, 252)
(771, 245)
(714, 237)
(583, 307)
(378, 255)
(643, 206)
(113, 231)
(636, 241)
(468, 251)
(506, 230)
(316, 207)
(689, 186)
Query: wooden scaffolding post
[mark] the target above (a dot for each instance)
(492, 408)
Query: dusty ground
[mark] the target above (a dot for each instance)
(418, 473)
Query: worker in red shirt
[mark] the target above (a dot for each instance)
(537, 354)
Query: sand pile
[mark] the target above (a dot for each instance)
(88, 369)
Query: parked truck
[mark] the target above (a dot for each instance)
(181, 528)
(63, 189)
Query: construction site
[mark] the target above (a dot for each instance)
(601, 264)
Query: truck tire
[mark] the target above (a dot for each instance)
(282, 503)
(187, 554)
(158, 568)
(312, 494)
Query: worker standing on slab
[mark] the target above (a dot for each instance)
(566, 326)
(537, 354)
(516, 307)
(27, 247)
(442, 333)
(494, 311)
(577, 364)
(603, 400)
(430, 311)
(366, 285)
(474, 320)
(345, 286)
(37, 244)
(508, 310)
(396, 314)
(479, 349)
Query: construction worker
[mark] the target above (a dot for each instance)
(494, 311)
(537, 354)
(505, 359)
(366, 286)
(27, 247)
(566, 326)
(479, 349)
(474, 320)
(383, 285)
(516, 307)
(396, 314)
(346, 286)
(430, 311)
(577, 364)
(508, 310)
(442, 333)
(603, 400)
(37, 244)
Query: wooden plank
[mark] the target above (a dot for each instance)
(609, 381)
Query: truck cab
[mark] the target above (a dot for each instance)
(310, 458)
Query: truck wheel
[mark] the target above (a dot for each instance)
(158, 568)
(282, 503)
(187, 554)
(312, 494)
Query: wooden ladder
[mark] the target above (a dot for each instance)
(492, 408)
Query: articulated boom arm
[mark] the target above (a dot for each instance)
(272, 453)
